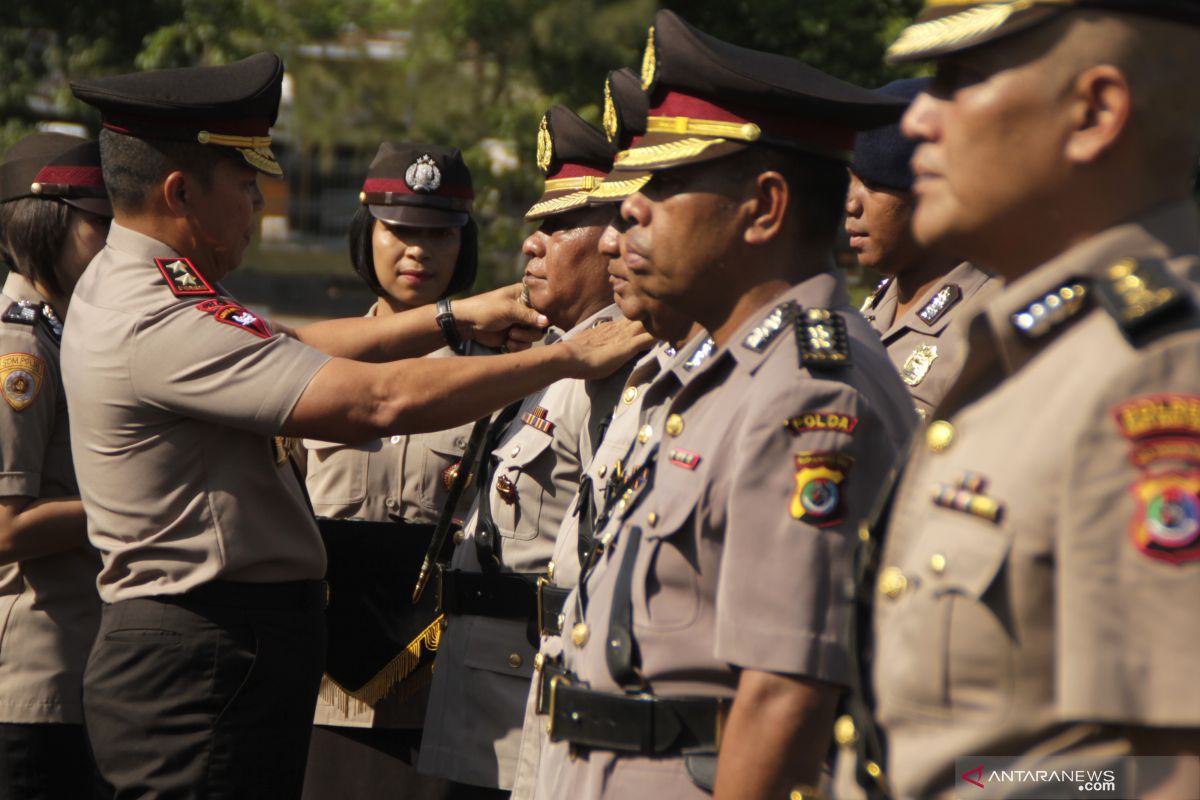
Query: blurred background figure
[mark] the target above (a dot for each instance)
(54, 216)
(924, 290)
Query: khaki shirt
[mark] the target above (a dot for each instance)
(473, 723)
(174, 403)
(612, 456)
(48, 606)
(762, 471)
(1064, 597)
(922, 342)
(394, 478)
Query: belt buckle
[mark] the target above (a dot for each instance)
(542, 582)
(554, 684)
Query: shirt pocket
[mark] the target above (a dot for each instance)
(438, 453)
(666, 586)
(527, 462)
(337, 474)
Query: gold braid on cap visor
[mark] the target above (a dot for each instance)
(689, 147)
(973, 21)
(612, 190)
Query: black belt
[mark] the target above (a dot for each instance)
(277, 596)
(546, 670)
(641, 723)
(550, 602)
(507, 595)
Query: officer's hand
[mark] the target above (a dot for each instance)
(598, 352)
(492, 318)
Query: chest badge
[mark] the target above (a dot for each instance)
(506, 489)
(818, 496)
(536, 419)
(685, 458)
(968, 496)
(917, 365)
(946, 298)
(182, 277)
(21, 377)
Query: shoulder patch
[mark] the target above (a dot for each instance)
(22, 312)
(21, 377)
(1159, 414)
(765, 332)
(1140, 293)
(183, 279)
(1166, 525)
(946, 298)
(821, 339)
(818, 496)
(821, 421)
(1047, 313)
(237, 316)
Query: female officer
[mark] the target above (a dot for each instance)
(413, 242)
(54, 217)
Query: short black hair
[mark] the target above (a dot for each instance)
(362, 254)
(32, 233)
(132, 166)
(818, 187)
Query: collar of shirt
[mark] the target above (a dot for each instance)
(606, 314)
(17, 287)
(137, 244)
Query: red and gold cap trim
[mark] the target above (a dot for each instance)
(249, 137)
(68, 181)
(568, 189)
(945, 26)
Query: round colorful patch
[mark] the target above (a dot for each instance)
(1167, 522)
(1173, 517)
(819, 497)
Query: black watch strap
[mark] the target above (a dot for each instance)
(445, 321)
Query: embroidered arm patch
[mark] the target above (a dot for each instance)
(237, 316)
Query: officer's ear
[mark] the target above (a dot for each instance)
(177, 194)
(1101, 107)
(769, 206)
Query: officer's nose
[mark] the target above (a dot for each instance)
(636, 209)
(854, 204)
(610, 242)
(534, 245)
(920, 120)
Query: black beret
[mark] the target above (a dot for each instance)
(882, 155)
(574, 157)
(54, 165)
(709, 98)
(422, 185)
(947, 26)
(231, 106)
(626, 107)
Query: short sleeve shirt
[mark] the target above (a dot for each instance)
(176, 391)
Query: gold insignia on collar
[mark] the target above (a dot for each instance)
(917, 365)
(545, 145)
(649, 62)
(610, 112)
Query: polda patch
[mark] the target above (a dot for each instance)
(1159, 415)
(817, 498)
(821, 421)
(1166, 525)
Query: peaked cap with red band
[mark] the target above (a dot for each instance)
(421, 185)
(951, 26)
(574, 157)
(709, 99)
(231, 107)
(54, 165)
(625, 110)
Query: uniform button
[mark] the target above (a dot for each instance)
(674, 425)
(602, 471)
(939, 435)
(645, 433)
(843, 731)
(630, 395)
(580, 634)
(892, 582)
(395, 440)
(460, 537)
(516, 451)
(539, 661)
(938, 563)
(515, 661)
(391, 503)
(652, 519)
(460, 443)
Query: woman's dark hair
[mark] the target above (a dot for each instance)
(32, 233)
(362, 228)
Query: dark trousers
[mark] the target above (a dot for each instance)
(47, 761)
(368, 764)
(209, 694)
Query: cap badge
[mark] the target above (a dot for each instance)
(545, 145)
(649, 62)
(610, 112)
(21, 379)
(423, 175)
(917, 365)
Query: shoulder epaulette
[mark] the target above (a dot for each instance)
(1052, 310)
(821, 339)
(945, 299)
(765, 332)
(183, 279)
(22, 312)
(873, 298)
(1139, 294)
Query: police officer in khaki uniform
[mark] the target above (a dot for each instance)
(1041, 567)
(53, 218)
(625, 119)
(413, 242)
(913, 308)
(704, 645)
(527, 482)
(204, 675)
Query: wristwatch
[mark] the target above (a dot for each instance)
(445, 321)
